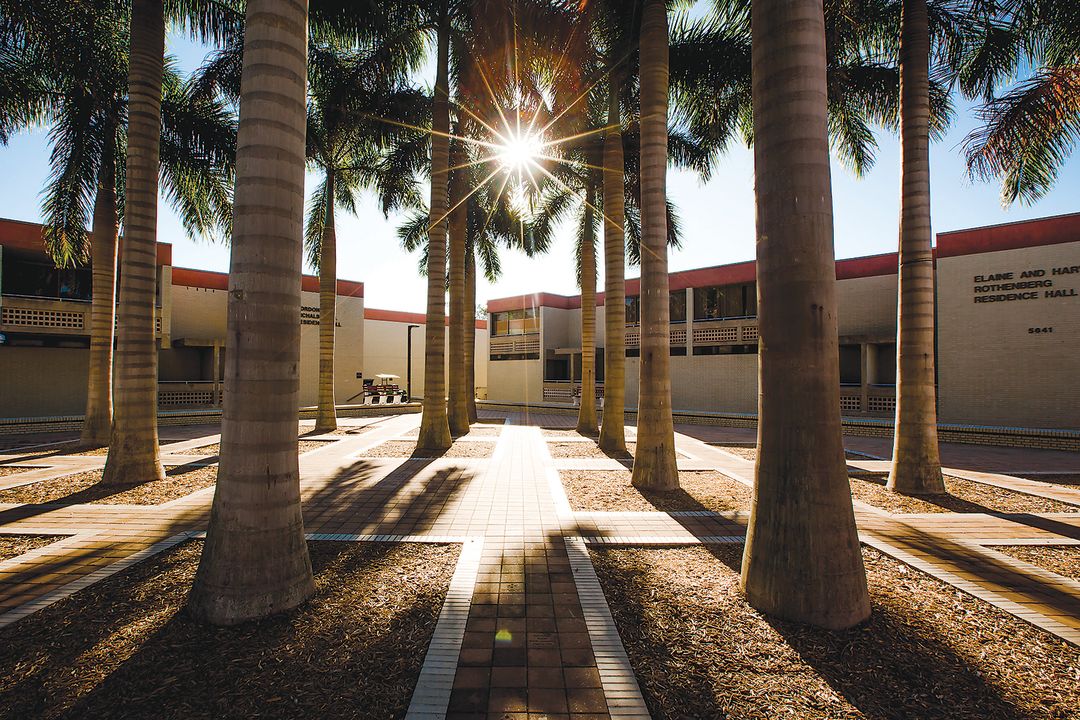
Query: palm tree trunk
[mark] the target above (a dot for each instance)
(470, 335)
(586, 422)
(255, 561)
(612, 431)
(802, 560)
(327, 415)
(458, 412)
(654, 458)
(434, 426)
(916, 463)
(97, 424)
(133, 450)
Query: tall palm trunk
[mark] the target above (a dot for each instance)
(327, 415)
(133, 450)
(470, 334)
(612, 432)
(586, 421)
(434, 426)
(802, 560)
(457, 410)
(255, 561)
(97, 424)
(916, 464)
(654, 458)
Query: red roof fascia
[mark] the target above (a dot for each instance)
(402, 316)
(1010, 236)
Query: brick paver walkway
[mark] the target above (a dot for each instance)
(525, 627)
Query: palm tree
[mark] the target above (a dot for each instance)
(612, 429)
(66, 68)
(802, 559)
(469, 311)
(654, 459)
(1028, 130)
(255, 561)
(916, 462)
(586, 422)
(352, 96)
(457, 404)
(434, 426)
(133, 449)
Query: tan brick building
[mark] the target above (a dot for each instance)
(1008, 350)
(45, 326)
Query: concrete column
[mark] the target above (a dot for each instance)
(864, 377)
(217, 370)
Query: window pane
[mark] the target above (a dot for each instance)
(633, 311)
(677, 306)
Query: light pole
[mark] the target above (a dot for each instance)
(408, 360)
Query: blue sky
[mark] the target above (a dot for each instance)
(717, 217)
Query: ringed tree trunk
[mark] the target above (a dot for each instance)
(97, 424)
(916, 463)
(434, 425)
(457, 410)
(255, 561)
(470, 334)
(133, 450)
(612, 430)
(802, 560)
(654, 457)
(586, 422)
(326, 419)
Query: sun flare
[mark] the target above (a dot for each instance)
(519, 150)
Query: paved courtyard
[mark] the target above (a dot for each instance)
(525, 627)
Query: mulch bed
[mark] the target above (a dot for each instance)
(6, 470)
(180, 481)
(611, 491)
(1060, 559)
(15, 545)
(215, 449)
(928, 651)
(964, 496)
(406, 448)
(125, 647)
(588, 450)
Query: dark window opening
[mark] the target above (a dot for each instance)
(725, 301)
(727, 350)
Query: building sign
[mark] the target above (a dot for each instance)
(309, 315)
(1035, 284)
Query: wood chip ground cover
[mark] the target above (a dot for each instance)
(964, 496)
(180, 481)
(928, 651)
(6, 470)
(610, 490)
(587, 449)
(1060, 559)
(303, 447)
(125, 647)
(405, 448)
(15, 545)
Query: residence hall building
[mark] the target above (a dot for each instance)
(45, 334)
(1008, 333)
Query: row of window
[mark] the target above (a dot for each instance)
(710, 303)
(42, 279)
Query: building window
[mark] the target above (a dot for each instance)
(633, 310)
(726, 349)
(515, 322)
(34, 277)
(678, 350)
(725, 301)
(557, 368)
(850, 365)
(633, 352)
(886, 364)
(677, 306)
(497, 357)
